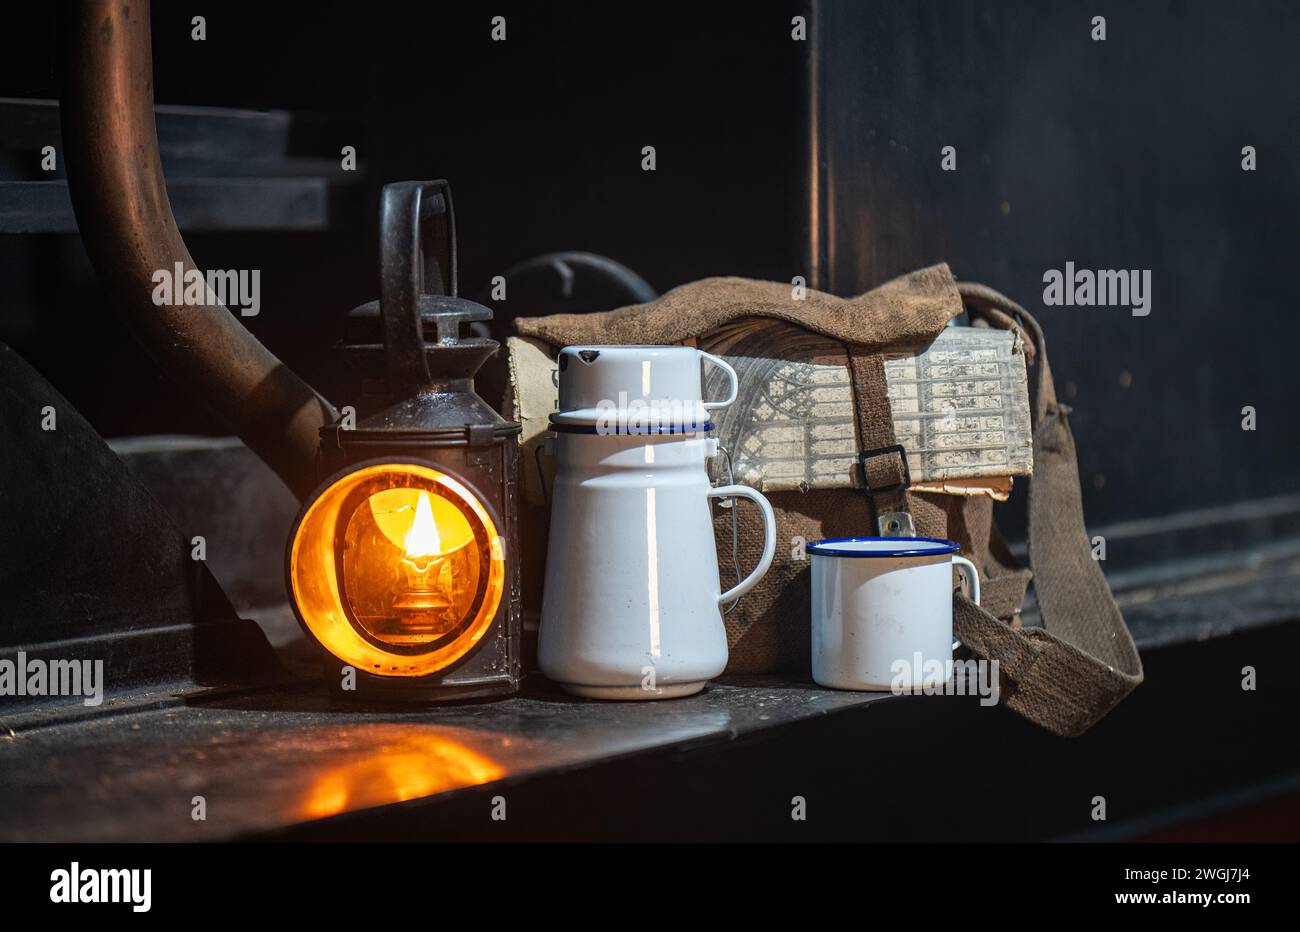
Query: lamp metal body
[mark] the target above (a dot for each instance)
(404, 563)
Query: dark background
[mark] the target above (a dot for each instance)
(1117, 154)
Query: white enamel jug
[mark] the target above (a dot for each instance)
(632, 601)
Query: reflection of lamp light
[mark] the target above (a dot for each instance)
(427, 574)
(394, 764)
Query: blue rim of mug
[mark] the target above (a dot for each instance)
(826, 548)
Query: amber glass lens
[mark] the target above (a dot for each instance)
(397, 569)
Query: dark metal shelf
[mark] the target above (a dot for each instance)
(292, 760)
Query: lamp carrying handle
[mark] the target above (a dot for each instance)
(417, 257)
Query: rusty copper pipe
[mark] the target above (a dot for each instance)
(125, 218)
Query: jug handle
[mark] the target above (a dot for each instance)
(731, 374)
(769, 537)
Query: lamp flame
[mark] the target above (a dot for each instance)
(422, 539)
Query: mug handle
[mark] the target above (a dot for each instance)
(769, 537)
(973, 580)
(731, 374)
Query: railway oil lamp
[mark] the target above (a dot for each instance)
(403, 563)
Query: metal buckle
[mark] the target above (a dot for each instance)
(885, 489)
(889, 523)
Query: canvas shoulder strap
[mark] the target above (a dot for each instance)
(1066, 675)
(882, 471)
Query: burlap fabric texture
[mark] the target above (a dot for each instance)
(1065, 675)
